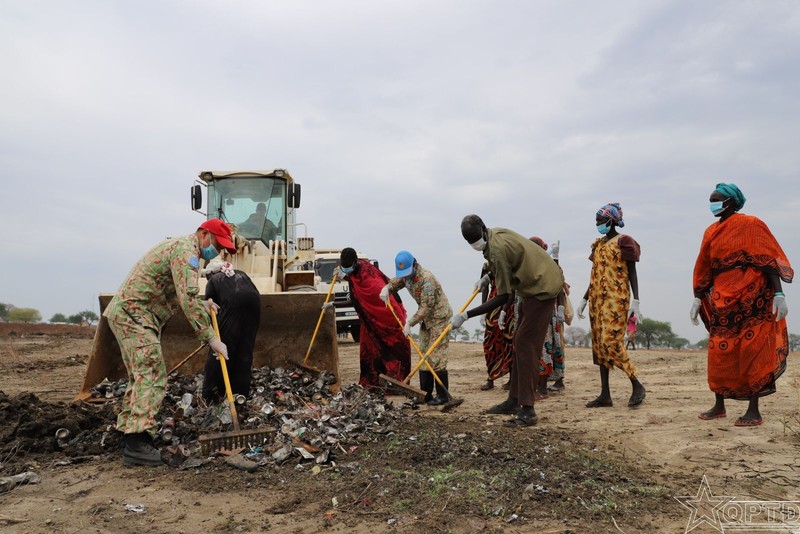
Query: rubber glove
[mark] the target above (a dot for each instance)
(554, 248)
(458, 319)
(385, 293)
(501, 320)
(208, 304)
(218, 347)
(407, 330)
(483, 283)
(581, 307)
(327, 306)
(634, 307)
(560, 317)
(695, 311)
(779, 308)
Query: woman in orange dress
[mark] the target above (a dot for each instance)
(739, 297)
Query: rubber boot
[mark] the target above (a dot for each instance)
(426, 385)
(441, 396)
(139, 450)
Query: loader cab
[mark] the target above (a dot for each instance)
(261, 205)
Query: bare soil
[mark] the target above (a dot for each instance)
(580, 470)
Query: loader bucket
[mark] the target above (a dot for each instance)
(287, 324)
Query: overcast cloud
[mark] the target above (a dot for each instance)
(398, 118)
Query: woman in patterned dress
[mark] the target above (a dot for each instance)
(613, 279)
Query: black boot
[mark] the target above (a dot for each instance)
(139, 450)
(426, 385)
(441, 392)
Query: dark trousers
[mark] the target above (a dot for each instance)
(534, 317)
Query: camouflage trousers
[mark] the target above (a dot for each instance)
(147, 377)
(427, 335)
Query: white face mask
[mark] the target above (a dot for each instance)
(478, 245)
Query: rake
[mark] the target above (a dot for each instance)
(237, 438)
(304, 364)
(405, 386)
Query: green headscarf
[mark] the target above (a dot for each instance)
(732, 192)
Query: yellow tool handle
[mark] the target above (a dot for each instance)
(416, 348)
(221, 358)
(319, 321)
(442, 336)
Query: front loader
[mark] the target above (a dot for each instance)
(260, 206)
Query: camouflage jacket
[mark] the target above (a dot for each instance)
(426, 290)
(160, 283)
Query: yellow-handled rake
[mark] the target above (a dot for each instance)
(238, 438)
(304, 364)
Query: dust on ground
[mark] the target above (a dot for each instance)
(579, 470)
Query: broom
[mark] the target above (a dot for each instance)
(237, 438)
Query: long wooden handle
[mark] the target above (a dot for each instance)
(186, 359)
(221, 358)
(441, 336)
(319, 321)
(416, 348)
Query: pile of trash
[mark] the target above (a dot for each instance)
(303, 419)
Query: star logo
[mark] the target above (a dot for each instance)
(705, 507)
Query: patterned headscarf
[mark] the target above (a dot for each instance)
(539, 241)
(614, 212)
(732, 192)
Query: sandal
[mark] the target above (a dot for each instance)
(710, 414)
(598, 403)
(522, 420)
(486, 386)
(748, 422)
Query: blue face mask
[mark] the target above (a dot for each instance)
(604, 228)
(209, 253)
(717, 207)
(347, 270)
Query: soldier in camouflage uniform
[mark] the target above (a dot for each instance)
(433, 316)
(163, 280)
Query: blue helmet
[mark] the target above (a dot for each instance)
(404, 263)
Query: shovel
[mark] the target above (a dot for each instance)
(304, 364)
(237, 438)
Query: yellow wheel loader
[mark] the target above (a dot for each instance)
(261, 208)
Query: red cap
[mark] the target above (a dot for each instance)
(221, 231)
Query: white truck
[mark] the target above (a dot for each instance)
(325, 261)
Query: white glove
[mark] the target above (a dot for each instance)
(501, 320)
(483, 283)
(385, 293)
(407, 330)
(560, 316)
(219, 347)
(208, 304)
(779, 308)
(327, 306)
(458, 319)
(581, 307)
(634, 307)
(337, 275)
(554, 248)
(694, 311)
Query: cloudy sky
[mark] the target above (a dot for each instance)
(398, 118)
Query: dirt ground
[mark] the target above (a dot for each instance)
(580, 470)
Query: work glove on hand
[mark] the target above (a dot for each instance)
(554, 248)
(560, 314)
(458, 319)
(219, 347)
(337, 275)
(634, 307)
(208, 304)
(779, 308)
(501, 320)
(327, 306)
(483, 283)
(385, 293)
(581, 307)
(407, 330)
(695, 311)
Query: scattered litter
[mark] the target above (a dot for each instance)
(513, 518)
(9, 483)
(136, 508)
